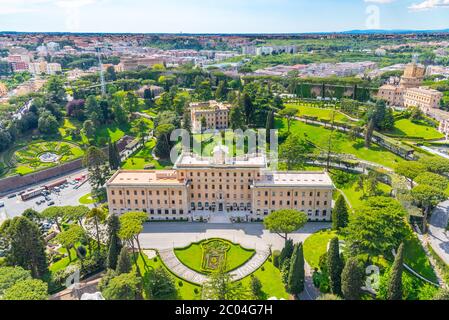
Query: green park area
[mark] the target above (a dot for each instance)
(211, 255)
(143, 159)
(320, 113)
(407, 128)
(340, 143)
(42, 155)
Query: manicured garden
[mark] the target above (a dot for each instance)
(408, 128)
(34, 157)
(143, 159)
(341, 143)
(320, 113)
(87, 199)
(211, 255)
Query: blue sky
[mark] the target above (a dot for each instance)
(223, 16)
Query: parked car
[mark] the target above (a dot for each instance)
(12, 196)
(47, 198)
(51, 203)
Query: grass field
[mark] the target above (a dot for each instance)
(405, 127)
(271, 280)
(192, 256)
(320, 113)
(144, 158)
(341, 143)
(316, 245)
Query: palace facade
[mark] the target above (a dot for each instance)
(215, 115)
(236, 186)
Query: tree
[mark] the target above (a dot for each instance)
(289, 114)
(285, 221)
(334, 266)
(436, 165)
(427, 198)
(69, 239)
(222, 91)
(236, 118)
(141, 129)
(30, 289)
(378, 213)
(114, 243)
(410, 170)
(47, 123)
(125, 286)
(114, 156)
(432, 179)
(295, 151)
(161, 285)
(256, 287)
(203, 124)
(124, 264)
(97, 164)
(97, 215)
(55, 214)
(27, 248)
(131, 225)
(296, 277)
(352, 280)
(11, 275)
(287, 251)
(88, 129)
(32, 215)
(329, 297)
(221, 287)
(395, 283)
(163, 144)
(369, 130)
(269, 124)
(340, 216)
(186, 120)
(246, 105)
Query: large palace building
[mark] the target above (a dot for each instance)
(215, 115)
(233, 186)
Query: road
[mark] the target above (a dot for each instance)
(67, 197)
(165, 235)
(438, 236)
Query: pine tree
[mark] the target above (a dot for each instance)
(340, 217)
(334, 266)
(186, 120)
(295, 284)
(286, 252)
(351, 280)
(270, 124)
(115, 244)
(395, 283)
(124, 262)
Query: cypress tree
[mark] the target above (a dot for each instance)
(124, 262)
(269, 125)
(340, 216)
(334, 266)
(395, 284)
(295, 284)
(114, 155)
(118, 159)
(351, 280)
(114, 245)
(287, 251)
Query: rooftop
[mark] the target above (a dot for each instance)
(137, 177)
(298, 179)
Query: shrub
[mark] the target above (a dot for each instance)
(155, 259)
(180, 283)
(196, 291)
(323, 262)
(275, 255)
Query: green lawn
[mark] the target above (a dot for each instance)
(192, 256)
(320, 113)
(185, 292)
(415, 257)
(271, 280)
(355, 196)
(87, 199)
(316, 245)
(341, 143)
(405, 127)
(143, 158)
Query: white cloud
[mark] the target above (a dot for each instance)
(429, 4)
(380, 1)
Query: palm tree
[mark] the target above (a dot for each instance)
(98, 216)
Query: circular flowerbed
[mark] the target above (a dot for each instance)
(38, 156)
(211, 255)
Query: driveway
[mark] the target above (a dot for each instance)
(165, 235)
(438, 236)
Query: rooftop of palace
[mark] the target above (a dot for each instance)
(145, 177)
(220, 159)
(211, 105)
(295, 179)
